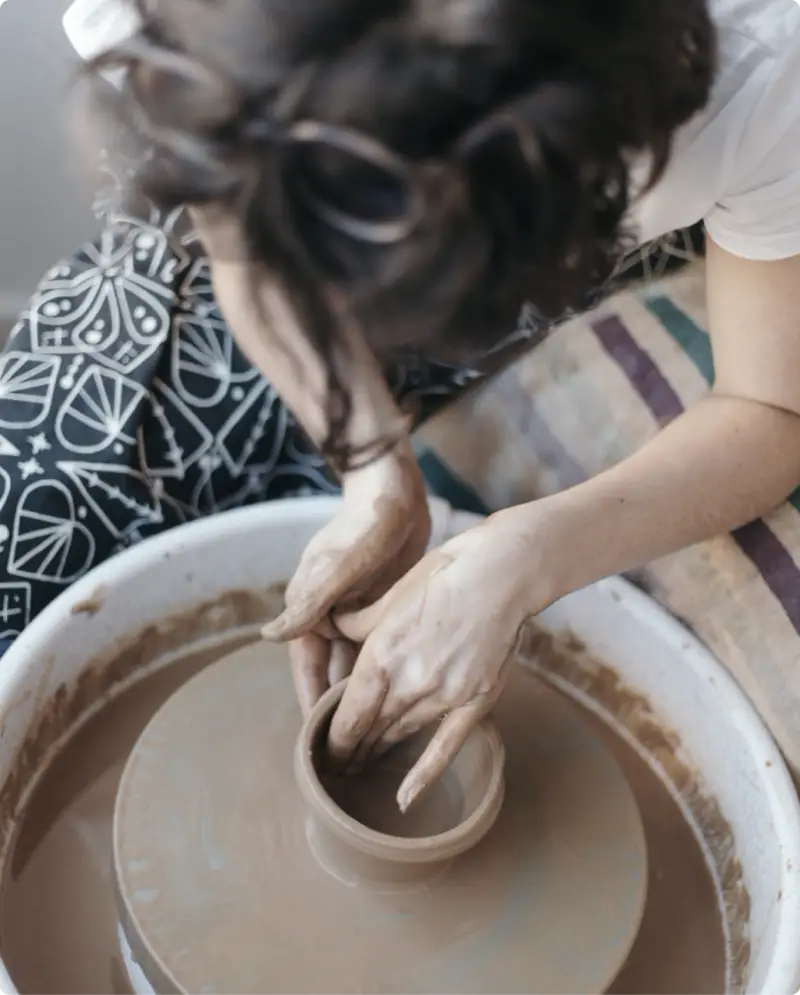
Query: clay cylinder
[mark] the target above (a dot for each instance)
(354, 826)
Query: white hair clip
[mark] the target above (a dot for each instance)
(95, 26)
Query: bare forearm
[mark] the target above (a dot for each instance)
(722, 464)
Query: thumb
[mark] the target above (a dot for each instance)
(326, 575)
(320, 581)
(275, 631)
(357, 626)
(300, 618)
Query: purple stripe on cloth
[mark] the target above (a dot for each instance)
(534, 430)
(775, 564)
(654, 389)
(756, 540)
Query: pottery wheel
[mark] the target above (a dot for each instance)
(218, 890)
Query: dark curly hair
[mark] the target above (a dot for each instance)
(425, 164)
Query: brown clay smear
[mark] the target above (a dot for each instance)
(60, 872)
(233, 610)
(566, 657)
(503, 918)
(66, 838)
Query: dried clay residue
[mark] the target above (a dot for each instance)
(562, 657)
(565, 657)
(91, 605)
(102, 677)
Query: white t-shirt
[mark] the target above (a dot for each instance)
(736, 165)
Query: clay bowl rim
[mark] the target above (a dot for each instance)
(398, 849)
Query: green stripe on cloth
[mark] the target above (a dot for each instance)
(689, 336)
(694, 342)
(447, 485)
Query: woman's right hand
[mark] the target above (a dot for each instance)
(380, 531)
(383, 525)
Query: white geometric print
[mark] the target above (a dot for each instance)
(217, 490)
(124, 500)
(100, 410)
(7, 448)
(30, 468)
(15, 608)
(71, 316)
(82, 309)
(260, 405)
(201, 360)
(26, 383)
(173, 420)
(5, 488)
(47, 542)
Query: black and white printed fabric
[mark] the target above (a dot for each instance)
(126, 407)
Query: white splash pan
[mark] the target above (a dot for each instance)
(652, 654)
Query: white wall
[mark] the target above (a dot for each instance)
(44, 201)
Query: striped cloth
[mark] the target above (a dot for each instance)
(587, 397)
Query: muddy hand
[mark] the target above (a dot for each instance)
(380, 531)
(437, 647)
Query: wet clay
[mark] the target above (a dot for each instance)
(215, 851)
(354, 825)
(58, 892)
(371, 797)
(58, 897)
(678, 879)
(461, 805)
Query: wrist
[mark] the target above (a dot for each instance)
(390, 486)
(392, 466)
(522, 538)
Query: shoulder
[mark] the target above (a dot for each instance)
(737, 164)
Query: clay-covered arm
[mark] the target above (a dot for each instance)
(382, 526)
(440, 643)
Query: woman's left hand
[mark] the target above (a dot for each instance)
(438, 645)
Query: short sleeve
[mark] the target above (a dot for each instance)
(762, 223)
(760, 217)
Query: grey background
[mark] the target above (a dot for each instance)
(44, 192)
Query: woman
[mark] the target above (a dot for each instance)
(378, 186)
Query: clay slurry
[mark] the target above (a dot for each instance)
(370, 796)
(57, 910)
(214, 850)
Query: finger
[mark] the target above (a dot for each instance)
(392, 712)
(360, 705)
(325, 575)
(441, 751)
(297, 618)
(342, 661)
(322, 584)
(420, 715)
(318, 583)
(357, 626)
(309, 656)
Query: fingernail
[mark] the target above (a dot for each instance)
(407, 795)
(276, 628)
